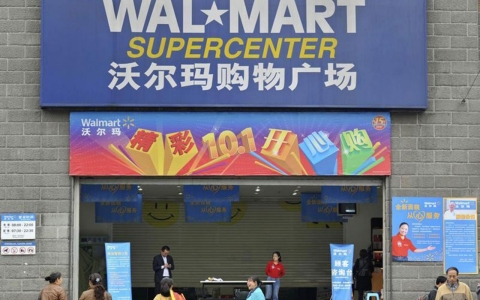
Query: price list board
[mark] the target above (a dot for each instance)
(18, 226)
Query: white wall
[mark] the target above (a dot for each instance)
(357, 229)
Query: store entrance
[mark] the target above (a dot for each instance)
(266, 218)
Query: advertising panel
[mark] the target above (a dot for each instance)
(234, 53)
(229, 144)
(341, 256)
(119, 281)
(417, 229)
(460, 222)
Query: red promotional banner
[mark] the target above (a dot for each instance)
(229, 144)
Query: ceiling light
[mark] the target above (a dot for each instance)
(139, 188)
(294, 194)
(257, 189)
(180, 193)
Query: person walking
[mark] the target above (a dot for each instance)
(163, 266)
(53, 291)
(96, 291)
(453, 288)
(274, 271)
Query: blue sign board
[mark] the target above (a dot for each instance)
(417, 229)
(18, 217)
(108, 192)
(460, 221)
(313, 210)
(118, 270)
(342, 265)
(208, 211)
(211, 192)
(119, 212)
(234, 53)
(349, 194)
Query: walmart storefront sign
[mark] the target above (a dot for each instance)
(234, 53)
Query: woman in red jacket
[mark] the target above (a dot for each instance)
(274, 271)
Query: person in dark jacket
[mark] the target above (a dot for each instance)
(362, 271)
(163, 266)
(440, 281)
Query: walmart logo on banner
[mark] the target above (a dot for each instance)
(349, 194)
(209, 203)
(211, 192)
(313, 210)
(119, 212)
(108, 192)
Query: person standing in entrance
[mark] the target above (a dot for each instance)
(362, 271)
(163, 266)
(274, 271)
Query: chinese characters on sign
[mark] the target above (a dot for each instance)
(185, 144)
(417, 233)
(119, 270)
(460, 223)
(342, 264)
(127, 75)
(234, 53)
(18, 226)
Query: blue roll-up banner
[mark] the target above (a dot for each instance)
(211, 193)
(119, 270)
(313, 210)
(108, 192)
(460, 223)
(349, 194)
(342, 266)
(119, 212)
(208, 211)
(417, 229)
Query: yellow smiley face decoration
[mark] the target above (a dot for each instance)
(238, 212)
(160, 214)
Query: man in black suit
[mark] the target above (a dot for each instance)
(163, 267)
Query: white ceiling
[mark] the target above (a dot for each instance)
(151, 192)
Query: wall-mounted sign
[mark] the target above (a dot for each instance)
(460, 234)
(417, 229)
(18, 226)
(229, 144)
(18, 248)
(234, 53)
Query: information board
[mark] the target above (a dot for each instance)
(18, 226)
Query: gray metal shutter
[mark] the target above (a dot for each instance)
(233, 251)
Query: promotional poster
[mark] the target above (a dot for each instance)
(229, 144)
(417, 231)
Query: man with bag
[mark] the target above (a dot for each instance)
(362, 271)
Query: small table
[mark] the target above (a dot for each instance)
(230, 283)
